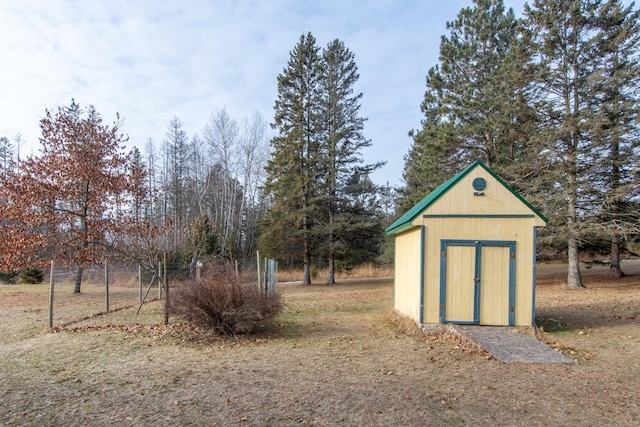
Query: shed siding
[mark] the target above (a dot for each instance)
(407, 273)
(525, 267)
(432, 274)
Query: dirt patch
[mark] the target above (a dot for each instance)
(336, 356)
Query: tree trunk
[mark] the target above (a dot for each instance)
(614, 269)
(192, 266)
(76, 289)
(307, 252)
(331, 279)
(572, 110)
(307, 272)
(574, 278)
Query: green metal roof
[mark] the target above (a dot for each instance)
(405, 220)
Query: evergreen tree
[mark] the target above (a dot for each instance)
(616, 90)
(563, 39)
(360, 227)
(293, 170)
(476, 104)
(340, 145)
(316, 171)
(432, 158)
(176, 155)
(201, 240)
(137, 177)
(387, 197)
(139, 243)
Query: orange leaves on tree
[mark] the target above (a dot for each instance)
(74, 200)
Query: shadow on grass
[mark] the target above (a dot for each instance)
(588, 314)
(554, 326)
(350, 306)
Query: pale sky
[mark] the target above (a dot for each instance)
(151, 60)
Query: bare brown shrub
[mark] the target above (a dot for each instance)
(221, 302)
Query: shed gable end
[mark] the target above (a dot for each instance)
(478, 193)
(476, 190)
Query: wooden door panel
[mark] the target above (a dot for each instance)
(460, 292)
(494, 285)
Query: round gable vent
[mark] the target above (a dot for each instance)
(479, 184)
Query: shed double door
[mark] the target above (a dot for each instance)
(477, 282)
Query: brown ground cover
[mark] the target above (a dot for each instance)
(336, 356)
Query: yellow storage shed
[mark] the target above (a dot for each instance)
(466, 253)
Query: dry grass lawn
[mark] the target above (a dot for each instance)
(335, 357)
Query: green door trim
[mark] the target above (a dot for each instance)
(421, 291)
(477, 244)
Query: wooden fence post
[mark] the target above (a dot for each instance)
(51, 296)
(160, 279)
(106, 284)
(166, 292)
(258, 266)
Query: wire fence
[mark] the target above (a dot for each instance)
(108, 294)
(126, 294)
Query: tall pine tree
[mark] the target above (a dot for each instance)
(293, 170)
(320, 191)
(176, 153)
(476, 104)
(563, 36)
(341, 143)
(616, 84)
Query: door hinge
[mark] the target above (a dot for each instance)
(513, 255)
(512, 309)
(443, 254)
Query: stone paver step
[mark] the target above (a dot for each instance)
(509, 346)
